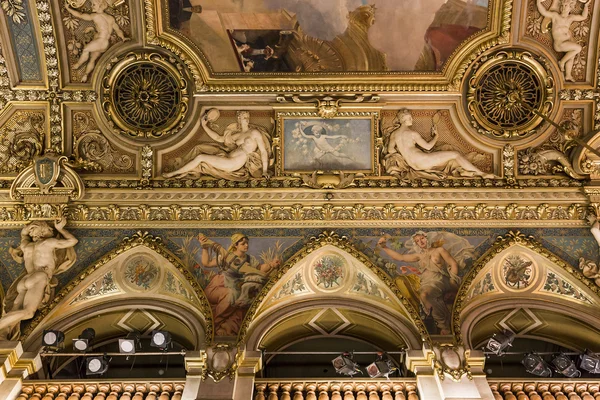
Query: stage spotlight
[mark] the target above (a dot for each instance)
(160, 339)
(84, 341)
(96, 365)
(500, 342)
(535, 365)
(52, 338)
(383, 366)
(590, 362)
(565, 366)
(344, 364)
(130, 343)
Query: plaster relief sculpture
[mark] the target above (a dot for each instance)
(104, 25)
(243, 151)
(563, 42)
(409, 156)
(44, 257)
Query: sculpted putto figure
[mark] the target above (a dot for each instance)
(408, 154)
(105, 25)
(561, 35)
(44, 257)
(241, 153)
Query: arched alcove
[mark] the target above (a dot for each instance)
(137, 287)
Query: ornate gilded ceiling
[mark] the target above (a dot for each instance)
(344, 142)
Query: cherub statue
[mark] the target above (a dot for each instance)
(105, 24)
(44, 257)
(561, 34)
(411, 156)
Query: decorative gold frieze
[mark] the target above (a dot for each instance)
(330, 212)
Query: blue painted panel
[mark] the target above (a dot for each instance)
(25, 47)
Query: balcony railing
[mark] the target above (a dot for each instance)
(105, 390)
(515, 389)
(341, 389)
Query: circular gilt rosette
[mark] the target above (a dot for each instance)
(145, 95)
(506, 92)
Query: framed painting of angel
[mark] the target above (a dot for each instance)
(344, 143)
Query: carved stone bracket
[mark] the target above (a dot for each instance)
(47, 187)
(327, 105)
(222, 361)
(328, 181)
(451, 361)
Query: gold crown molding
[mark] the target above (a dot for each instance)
(435, 195)
(358, 183)
(124, 197)
(138, 239)
(327, 212)
(208, 81)
(502, 243)
(341, 242)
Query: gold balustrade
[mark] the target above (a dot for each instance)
(102, 390)
(341, 389)
(520, 389)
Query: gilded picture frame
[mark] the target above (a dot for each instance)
(345, 143)
(209, 78)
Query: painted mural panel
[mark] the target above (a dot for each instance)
(427, 265)
(232, 272)
(325, 36)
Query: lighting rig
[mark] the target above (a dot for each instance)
(98, 363)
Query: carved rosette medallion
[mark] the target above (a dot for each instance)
(505, 91)
(145, 95)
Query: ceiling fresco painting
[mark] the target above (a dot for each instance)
(327, 36)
